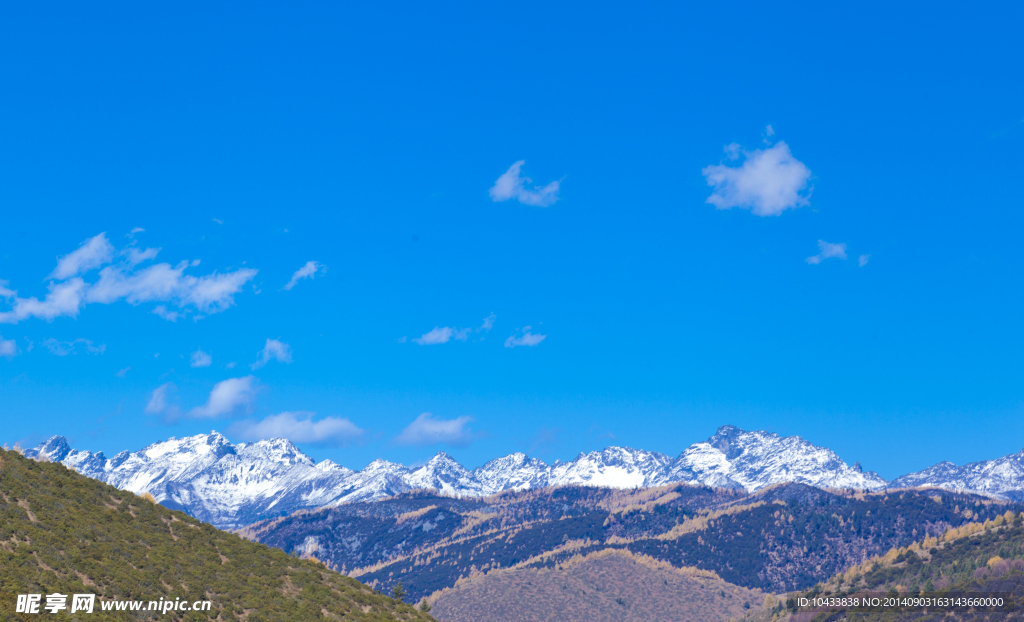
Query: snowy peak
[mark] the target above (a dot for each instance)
(727, 440)
(234, 485)
(613, 467)
(1002, 477)
(734, 458)
(512, 472)
(54, 449)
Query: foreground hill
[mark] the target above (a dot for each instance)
(784, 538)
(62, 532)
(608, 586)
(233, 485)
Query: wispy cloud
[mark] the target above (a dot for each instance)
(768, 182)
(200, 359)
(231, 396)
(429, 430)
(828, 251)
(64, 348)
(159, 399)
(274, 350)
(444, 334)
(488, 323)
(298, 427)
(512, 185)
(92, 253)
(525, 339)
(63, 299)
(123, 372)
(308, 271)
(438, 335)
(125, 280)
(8, 348)
(863, 260)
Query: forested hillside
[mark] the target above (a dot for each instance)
(65, 533)
(784, 538)
(977, 558)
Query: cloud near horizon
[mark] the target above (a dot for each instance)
(512, 185)
(228, 397)
(298, 427)
(274, 350)
(308, 271)
(163, 283)
(768, 182)
(430, 430)
(828, 251)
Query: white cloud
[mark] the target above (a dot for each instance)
(137, 230)
(526, 339)
(123, 372)
(511, 185)
(134, 256)
(768, 182)
(274, 350)
(159, 398)
(64, 348)
(228, 397)
(308, 271)
(440, 334)
(488, 323)
(428, 430)
(64, 299)
(201, 359)
(93, 253)
(863, 260)
(298, 427)
(8, 348)
(162, 283)
(123, 281)
(170, 316)
(828, 251)
(444, 334)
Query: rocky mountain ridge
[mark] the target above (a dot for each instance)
(233, 485)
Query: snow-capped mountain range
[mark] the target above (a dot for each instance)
(234, 485)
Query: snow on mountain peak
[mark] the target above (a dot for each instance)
(233, 485)
(734, 458)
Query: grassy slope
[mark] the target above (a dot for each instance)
(63, 532)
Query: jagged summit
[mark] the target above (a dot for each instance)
(1002, 477)
(234, 485)
(55, 448)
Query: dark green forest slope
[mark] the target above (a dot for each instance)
(63, 532)
(978, 558)
(785, 538)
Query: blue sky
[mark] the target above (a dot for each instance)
(705, 185)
